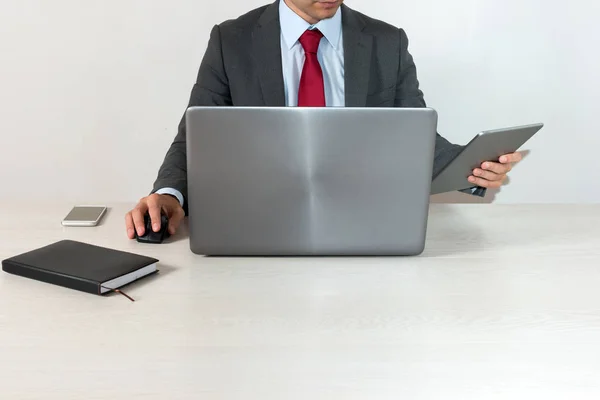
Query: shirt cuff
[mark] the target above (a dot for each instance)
(173, 192)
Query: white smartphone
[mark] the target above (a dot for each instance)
(84, 216)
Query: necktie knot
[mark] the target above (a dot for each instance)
(310, 40)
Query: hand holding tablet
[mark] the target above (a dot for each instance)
(485, 160)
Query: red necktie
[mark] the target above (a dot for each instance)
(311, 92)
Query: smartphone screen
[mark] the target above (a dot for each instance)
(85, 214)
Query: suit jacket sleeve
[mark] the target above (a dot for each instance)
(211, 89)
(408, 94)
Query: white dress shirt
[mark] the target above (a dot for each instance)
(330, 55)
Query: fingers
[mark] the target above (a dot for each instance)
(137, 215)
(129, 226)
(511, 158)
(490, 184)
(154, 208)
(487, 175)
(175, 219)
(497, 168)
(493, 174)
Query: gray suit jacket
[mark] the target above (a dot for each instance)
(242, 67)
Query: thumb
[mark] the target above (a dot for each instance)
(175, 219)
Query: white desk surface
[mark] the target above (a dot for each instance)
(504, 304)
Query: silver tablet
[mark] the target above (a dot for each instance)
(486, 146)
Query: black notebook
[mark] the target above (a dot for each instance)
(81, 266)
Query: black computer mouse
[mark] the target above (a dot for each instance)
(149, 235)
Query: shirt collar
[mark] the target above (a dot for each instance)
(293, 26)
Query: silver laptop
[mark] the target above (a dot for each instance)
(290, 181)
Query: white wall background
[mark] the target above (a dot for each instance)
(91, 92)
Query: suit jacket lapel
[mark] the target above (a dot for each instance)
(357, 58)
(267, 56)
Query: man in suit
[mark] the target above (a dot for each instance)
(309, 53)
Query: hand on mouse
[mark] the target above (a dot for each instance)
(152, 205)
(493, 174)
